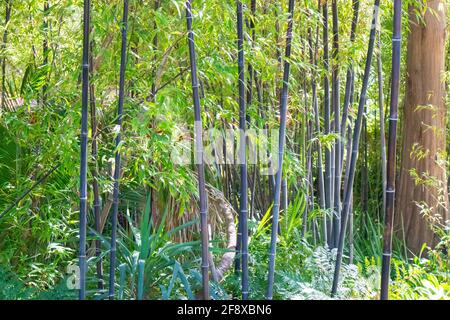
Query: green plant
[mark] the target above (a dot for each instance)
(12, 288)
(418, 280)
(147, 255)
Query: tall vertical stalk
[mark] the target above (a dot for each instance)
(350, 81)
(154, 49)
(94, 170)
(382, 128)
(350, 213)
(123, 60)
(309, 192)
(337, 128)
(5, 41)
(45, 49)
(390, 190)
(152, 98)
(346, 129)
(199, 153)
(355, 146)
(242, 152)
(364, 173)
(349, 90)
(326, 118)
(83, 148)
(282, 138)
(313, 61)
(250, 100)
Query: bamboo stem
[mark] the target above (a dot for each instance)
(95, 188)
(5, 41)
(327, 115)
(337, 130)
(199, 154)
(350, 81)
(243, 213)
(83, 148)
(123, 59)
(321, 187)
(282, 138)
(382, 120)
(355, 146)
(390, 190)
(45, 49)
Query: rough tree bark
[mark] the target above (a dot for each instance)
(422, 201)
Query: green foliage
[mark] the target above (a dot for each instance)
(149, 259)
(419, 280)
(12, 288)
(38, 238)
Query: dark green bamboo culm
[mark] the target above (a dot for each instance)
(199, 154)
(242, 152)
(390, 189)
(255, 166)
(335, 98)
(94, 172)
(313, 62)
(382, 119)
(346, 129)
(45, 49)
(123, 60)
(5, 41)
(282, 138)
(326, 118)
(83, 148)
(355, 146)
(349, 85)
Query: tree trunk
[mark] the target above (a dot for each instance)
(422, 202)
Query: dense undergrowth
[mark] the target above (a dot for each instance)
(303, 272)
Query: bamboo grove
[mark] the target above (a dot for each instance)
(165, 200)
(335, 229)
